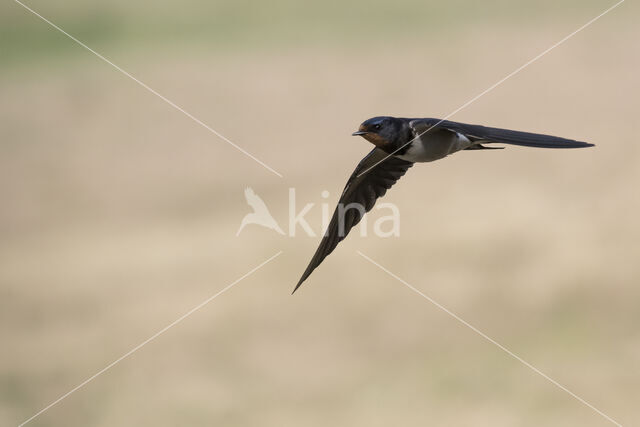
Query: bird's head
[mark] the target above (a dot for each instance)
(384, 132)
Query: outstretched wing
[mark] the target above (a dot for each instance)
(358, 197)
(254, 200)
(484, 134)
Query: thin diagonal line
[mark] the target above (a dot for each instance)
(499, 82)
(491, 340)
(165, 99)
(151, 338)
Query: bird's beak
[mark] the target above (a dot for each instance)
(359, 133)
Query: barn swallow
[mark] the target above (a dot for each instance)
(399, 143)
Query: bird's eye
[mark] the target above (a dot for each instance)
(377, 126)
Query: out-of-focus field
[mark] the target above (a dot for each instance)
(118, 214)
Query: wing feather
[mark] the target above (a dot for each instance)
(484, 134)
(363, 190)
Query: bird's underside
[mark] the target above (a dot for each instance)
(399, 144)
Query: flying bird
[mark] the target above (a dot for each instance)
(399, 143)
(260, 214)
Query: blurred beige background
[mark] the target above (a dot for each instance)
(118, 214)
